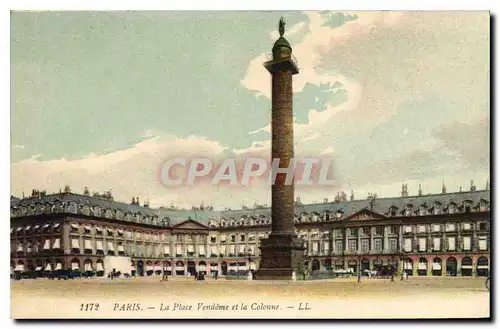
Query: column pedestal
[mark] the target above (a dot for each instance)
(281, 255)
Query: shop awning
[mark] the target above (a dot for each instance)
(56, 225)
(241, 249)
(75, 266)
(88, 267)
(190, 248)
(27, 228)
(422, 266)
(407, 265)
(99, 267)
(87, 228)
(20, 247)
(202, 250)
(87, 244)
(75, 244)
(110, 246)
(482, 267)
(120, 231)
(179, 250)
(46, 225)
(57, 244)
(121, 248)
(179, 268)
(436, 266)
(99, 245)
(38, 268)
(213, 250)
(75, 226)
(466, 267)
(19, 228)
(58, 266)
(46, 244)
(48, 267)
(149, 268)
(19, 267)
(36, 227)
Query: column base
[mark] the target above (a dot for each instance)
(282, 257)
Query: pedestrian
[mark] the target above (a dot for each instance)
(165, 276)
(216, 274)
(195, 276)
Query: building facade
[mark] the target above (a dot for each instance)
(433, 235)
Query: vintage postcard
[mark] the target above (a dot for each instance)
(251, 164)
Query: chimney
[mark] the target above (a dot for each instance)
(443, 189)
(404, 190)
(419, 189)
(472, 186)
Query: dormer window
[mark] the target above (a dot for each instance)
(483, 205)
(408, 210)
(393, 211)
(422, 211)
(467, 206)
(452, 208)
(303, 218)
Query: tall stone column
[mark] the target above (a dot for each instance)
(282, 252)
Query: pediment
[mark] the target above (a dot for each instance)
(365, 214)
(190, 224)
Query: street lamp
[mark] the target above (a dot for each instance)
(359, 268)
(249, 260)
(338, 216)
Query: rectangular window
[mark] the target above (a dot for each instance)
(422, 246)
(213, 239)
(337, 233)
(467, 226)
(450, 227)
(242, 237)
(482, 243)
(377, 245)
(379, 230)
(339, 246)
(408, 247)
(436, 227)
(437, 244)
(365, 245)
(407, 229)
(393, 244)
(467, 245)
(482, 227)
(421, 229)
(233, 238)
(451, 244)
(352, 245)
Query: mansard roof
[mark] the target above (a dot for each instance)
(175, 216)
(380, 205)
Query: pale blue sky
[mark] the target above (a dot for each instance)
(391, 97)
